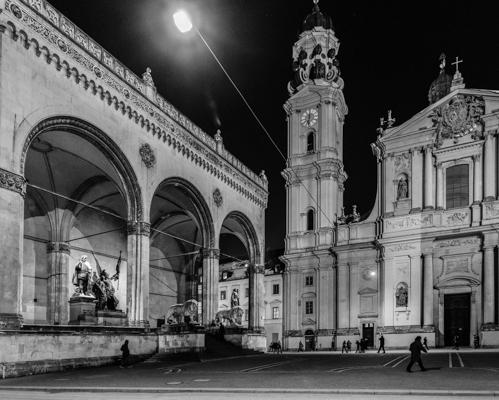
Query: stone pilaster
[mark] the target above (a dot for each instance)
(428, 290)
(440, 186)
(489, 168)
(477, 187)
(58, 254)
(256, 298)
(12, 191)
(428, 179)
(389, 186)
(210, 285)
(343, 296)
(326, 309)
(417, 184)
(138, 273)
(488, 285)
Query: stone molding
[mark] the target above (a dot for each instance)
(13, 182)
(10, 321)
(139, 228)
(58, 247)
(104, 74)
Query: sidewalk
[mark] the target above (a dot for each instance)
(394, 351)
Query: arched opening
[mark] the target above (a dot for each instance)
(77, 203)
(310, 219)
(311, 142)
(181, 227)
(238, 249)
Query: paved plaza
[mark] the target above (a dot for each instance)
(295, 375)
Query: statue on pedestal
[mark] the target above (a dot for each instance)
(105, 293)
(81, 277)
(234, 298)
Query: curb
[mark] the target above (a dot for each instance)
(372, 392)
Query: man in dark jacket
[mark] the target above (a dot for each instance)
(381, 343)
(416, 348)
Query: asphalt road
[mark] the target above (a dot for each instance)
(458, 372)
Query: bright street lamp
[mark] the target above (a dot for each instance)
(182, 21)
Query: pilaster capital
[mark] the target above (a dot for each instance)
(476, 157)
(256, 268)
(211, 253)
(58, 247)
(13, 182)
(138, 228)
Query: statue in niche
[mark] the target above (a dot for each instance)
(402, 295)
(81, 277)
(234, 298)
(402, 188)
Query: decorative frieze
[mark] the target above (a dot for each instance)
(474, 241)
(457, 218)
(491, 210)
(11, 181)
(408, 222)
(167, 124)
(402, 163)
(400, 247)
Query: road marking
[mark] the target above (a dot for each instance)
(400, 362)
(339, 370)
(262, 367)
(174, 383)
(395, 359)
(450, 360)
(460, 359)
(201, 380)
(170, 370)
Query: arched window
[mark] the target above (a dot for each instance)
(457, 186)
(310, 220)
(311, 142)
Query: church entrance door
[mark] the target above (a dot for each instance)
(457, 318)
(309, 341)
(368, 333)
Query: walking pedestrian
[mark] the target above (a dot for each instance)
(349, 346)
(476, 341)
(344, 348)
(416, 348)
(279, 347)
(456, 342)
(381, 343)
(425, 343)
(125, 355)
(300, 346)
(357, 347)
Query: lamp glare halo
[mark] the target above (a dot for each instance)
(182, 21)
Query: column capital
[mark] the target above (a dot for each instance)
(13, 182)
(257, 268)
(476, 157)
(210, 253)
(58, 247)
(138, 228)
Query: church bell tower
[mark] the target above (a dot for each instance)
(314, 178)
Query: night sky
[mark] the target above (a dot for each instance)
(389, 56)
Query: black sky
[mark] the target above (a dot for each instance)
(388, 54)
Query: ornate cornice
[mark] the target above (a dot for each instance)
(105, 76)
(139, 228)
(11, 181)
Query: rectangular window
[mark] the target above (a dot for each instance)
(246, 292)
(275, 289)
(309, 307)
(275, 312)
(457, 186)
(309, 280)
(223, 295)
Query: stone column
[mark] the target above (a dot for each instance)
(138, 273)
(416, 193)
(12, 191)
(428, 290)
(58, 254)
(326, 285)
(256, 321)
(428, 179)
(489, 168)
(343, 301)
(477, 187)
(488, 285)
(389, 186)
(440, 186)
(285, 301)
(210, 285)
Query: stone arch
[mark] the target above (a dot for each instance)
(106, 145)
(245, 232)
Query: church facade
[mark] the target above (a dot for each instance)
(424, 262)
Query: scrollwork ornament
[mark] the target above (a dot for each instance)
(217, 197)
(11, 181)
(147, 155)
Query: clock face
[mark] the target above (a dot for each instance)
(309, 117)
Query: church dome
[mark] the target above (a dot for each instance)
(317, 18)
(440, 87)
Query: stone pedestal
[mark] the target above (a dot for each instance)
(111, 318)
(82, 310)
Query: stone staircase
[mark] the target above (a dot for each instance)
(216, 347)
